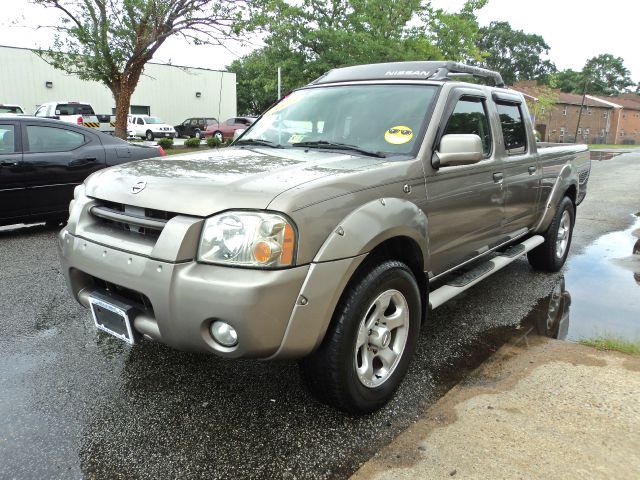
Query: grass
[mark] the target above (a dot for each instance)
(608, 343)
(178, 150)
(600, 146)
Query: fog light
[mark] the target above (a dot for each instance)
(223, 333)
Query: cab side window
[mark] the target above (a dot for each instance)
(140, 121)
(51, 139)
(7, 139)
(513, 130)
(470, 117)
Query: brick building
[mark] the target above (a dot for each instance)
(612, 120)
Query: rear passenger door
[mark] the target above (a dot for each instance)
(465, 203)
(520, 165)
(13, 198)
(57, 158)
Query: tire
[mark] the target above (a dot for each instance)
(551, 255)
(338, 372)
(55, 223)
(218, 134)
(149, 135)
(197, 134)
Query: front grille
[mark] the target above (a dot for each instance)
(584, 176)
(133, 297)
(142, 221)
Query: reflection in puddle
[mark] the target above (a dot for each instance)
(603, 155)
(604, 282)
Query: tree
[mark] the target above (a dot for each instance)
(111, 41)
(607, 75)
(601, 75)
(514, 53)
(310, 37)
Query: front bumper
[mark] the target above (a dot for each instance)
(187, 297)
(164, 134)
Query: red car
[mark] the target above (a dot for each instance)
(226, 130)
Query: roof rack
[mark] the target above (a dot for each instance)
(440, 70)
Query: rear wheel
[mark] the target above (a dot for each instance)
(197, 134)
(551, 255)
(368, 347)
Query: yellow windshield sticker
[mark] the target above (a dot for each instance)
(398, 135)
(295, 138)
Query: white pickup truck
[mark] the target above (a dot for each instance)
(78, 113)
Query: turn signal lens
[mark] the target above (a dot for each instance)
(288, 245)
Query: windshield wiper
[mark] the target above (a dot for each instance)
(258, 141)
(338, 146)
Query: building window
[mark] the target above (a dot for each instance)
(564, 110)
(562, 130)
(586, 131)
(579, 131)
(624, 115)
(589, 112)
(605, 114)
(622, 133)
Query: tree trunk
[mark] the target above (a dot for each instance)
(122, 95)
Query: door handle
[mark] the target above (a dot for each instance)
(532, 170)
(79, 162)
(8, 164)
(498, 177)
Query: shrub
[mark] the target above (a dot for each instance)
(166, 143)
(213, 142)
(192, 142)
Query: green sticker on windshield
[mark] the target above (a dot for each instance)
(295, 138)
(398, 135)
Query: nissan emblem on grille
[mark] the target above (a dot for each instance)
(138, 187)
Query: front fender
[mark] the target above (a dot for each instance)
(373, 223)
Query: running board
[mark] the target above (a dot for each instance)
(467, 280)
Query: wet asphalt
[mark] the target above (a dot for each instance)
(75, 403)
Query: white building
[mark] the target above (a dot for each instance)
(170, 92)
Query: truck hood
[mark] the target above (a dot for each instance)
(202, 184)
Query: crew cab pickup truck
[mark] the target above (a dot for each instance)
(78, 113)
(330, 228)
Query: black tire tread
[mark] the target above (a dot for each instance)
(321, 372)
(543, 257)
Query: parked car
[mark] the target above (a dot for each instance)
(226, 130)
(77, 113)
(15, 109)
(194, 127)
(150, 128)
(43, 160)
(402, 188)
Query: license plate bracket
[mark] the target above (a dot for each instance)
(113, 316)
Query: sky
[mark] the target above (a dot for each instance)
(576, 30)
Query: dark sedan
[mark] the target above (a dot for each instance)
(42, 161)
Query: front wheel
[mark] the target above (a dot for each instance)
(149, 135)
(370, 342)
(551, 255)
(218, 136)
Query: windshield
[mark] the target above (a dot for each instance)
(376, 118)
(10, 109)
(153, 120)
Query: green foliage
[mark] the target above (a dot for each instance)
(613, 343)
(111, 41)
(166, 143)
(310, 37)
(213, 142)
(601, 75)
(192, 142)
(546, 98)
(607, 75)
(514, 53)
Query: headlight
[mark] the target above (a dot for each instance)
(250, 239)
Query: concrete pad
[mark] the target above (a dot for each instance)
(545, 410)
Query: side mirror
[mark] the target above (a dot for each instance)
(458, 149)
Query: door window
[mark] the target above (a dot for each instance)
(7, 139)
(513, 130)
(470, 117)
(51, 139)
(41, 111)
(140, 121)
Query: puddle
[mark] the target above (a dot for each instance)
(598, 155)
(604, 282)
